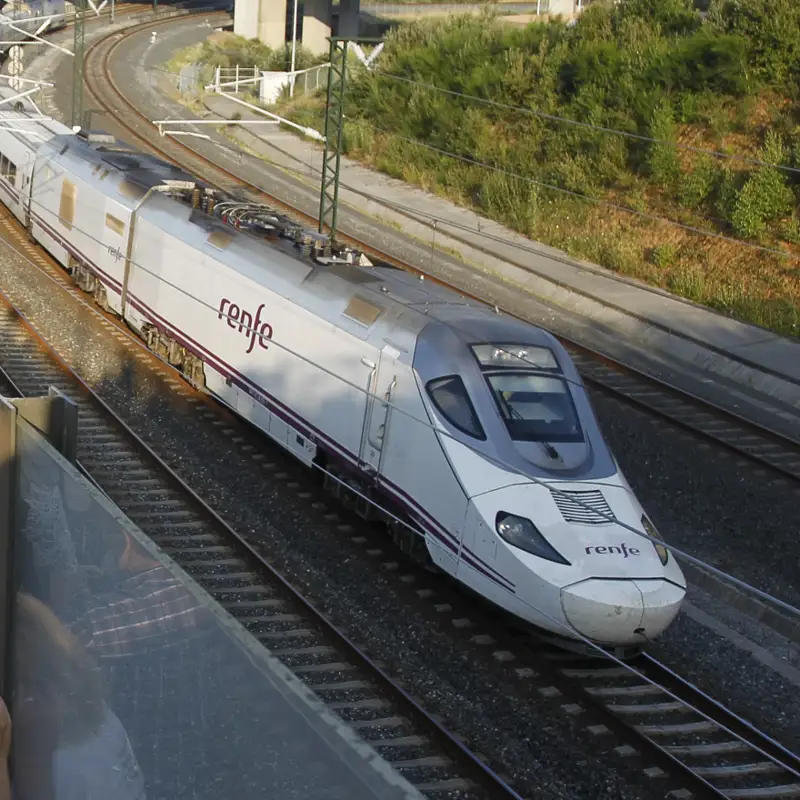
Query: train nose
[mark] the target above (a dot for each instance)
(621, 611)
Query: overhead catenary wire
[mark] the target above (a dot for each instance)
(437, 429)
(597, 201)
(718, 154)
(542, 184)
(528, 247)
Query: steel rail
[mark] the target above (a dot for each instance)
(727, 756)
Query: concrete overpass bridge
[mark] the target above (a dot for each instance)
(272, 21)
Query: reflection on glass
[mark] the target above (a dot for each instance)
(5, 748)
(536, 408)
(60, 694)
(122, 660)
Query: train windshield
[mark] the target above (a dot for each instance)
(521, 356)
(535, 408)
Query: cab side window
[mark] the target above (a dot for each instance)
(451, 400)
(8, 169)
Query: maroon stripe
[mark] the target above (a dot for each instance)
(490, 568)
(6, 184)
(469, 559)
(110, 281)
(285, 413)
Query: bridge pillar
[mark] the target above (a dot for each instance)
(349, 11)
(264, 20)
(316, 25)
(270, 21)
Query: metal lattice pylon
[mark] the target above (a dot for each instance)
(334, 124)
(77, 64)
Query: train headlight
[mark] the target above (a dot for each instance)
(522, 533)
(651, 531)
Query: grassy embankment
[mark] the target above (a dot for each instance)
(651, 68)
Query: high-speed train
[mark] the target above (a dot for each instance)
(470, 432)
(21, 20)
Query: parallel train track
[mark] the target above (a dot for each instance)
(151, 494)
(753, 766)
(727, 757)
(759, 445)
(780, 455)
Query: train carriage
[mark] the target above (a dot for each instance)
(466, 431)
(21, 21)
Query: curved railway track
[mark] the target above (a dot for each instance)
(715, 753)
(240, 579)
(778, 454)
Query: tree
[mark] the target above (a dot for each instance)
(765, 196)
(772, 28)
(662, 159)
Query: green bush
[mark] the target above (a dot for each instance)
(662, 159)
(772, 30)
(695, 187)
(705, 61)
(726, 190)
(765, 195)
(663, 256)
(790, 230)
(672, 16)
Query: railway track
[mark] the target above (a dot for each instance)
(738, 765)
(767, 449)
(685, 728)
(770, 450)
(151, 494)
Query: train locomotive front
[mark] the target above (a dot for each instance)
(546, 497)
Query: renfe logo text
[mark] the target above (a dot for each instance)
(622, 549)
(242, 320)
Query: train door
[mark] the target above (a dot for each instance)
(378, 408)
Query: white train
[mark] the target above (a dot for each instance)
(472, 427)
(20, 20)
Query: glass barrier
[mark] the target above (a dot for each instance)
(128, 681)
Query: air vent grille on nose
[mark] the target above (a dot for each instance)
(588, 508)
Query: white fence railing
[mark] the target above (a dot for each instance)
(269, 85)
(231, 79)
(311, 80)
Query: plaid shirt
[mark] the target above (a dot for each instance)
(151, 610)
(155, 646)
